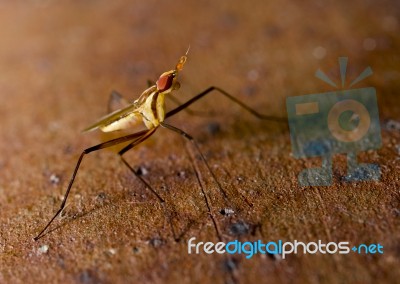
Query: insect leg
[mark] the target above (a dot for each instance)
(188, 110)
(178, 102)
(130, 146)
(85, 152)
(160, 199)
(191, 139)
(229, 96)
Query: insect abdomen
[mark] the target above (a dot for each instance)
(128, 121)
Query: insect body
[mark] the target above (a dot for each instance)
(150, 109)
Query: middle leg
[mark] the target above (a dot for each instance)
(146, 184)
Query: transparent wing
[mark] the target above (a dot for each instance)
(117, 120)
(125, 117)
(116, 102)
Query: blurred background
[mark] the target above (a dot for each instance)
(60, 60)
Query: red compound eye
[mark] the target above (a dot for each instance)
(164, 82)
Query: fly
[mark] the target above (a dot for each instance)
(149, 109)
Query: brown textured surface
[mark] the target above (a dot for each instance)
(58, 63)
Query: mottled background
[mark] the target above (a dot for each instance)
(59, 60)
